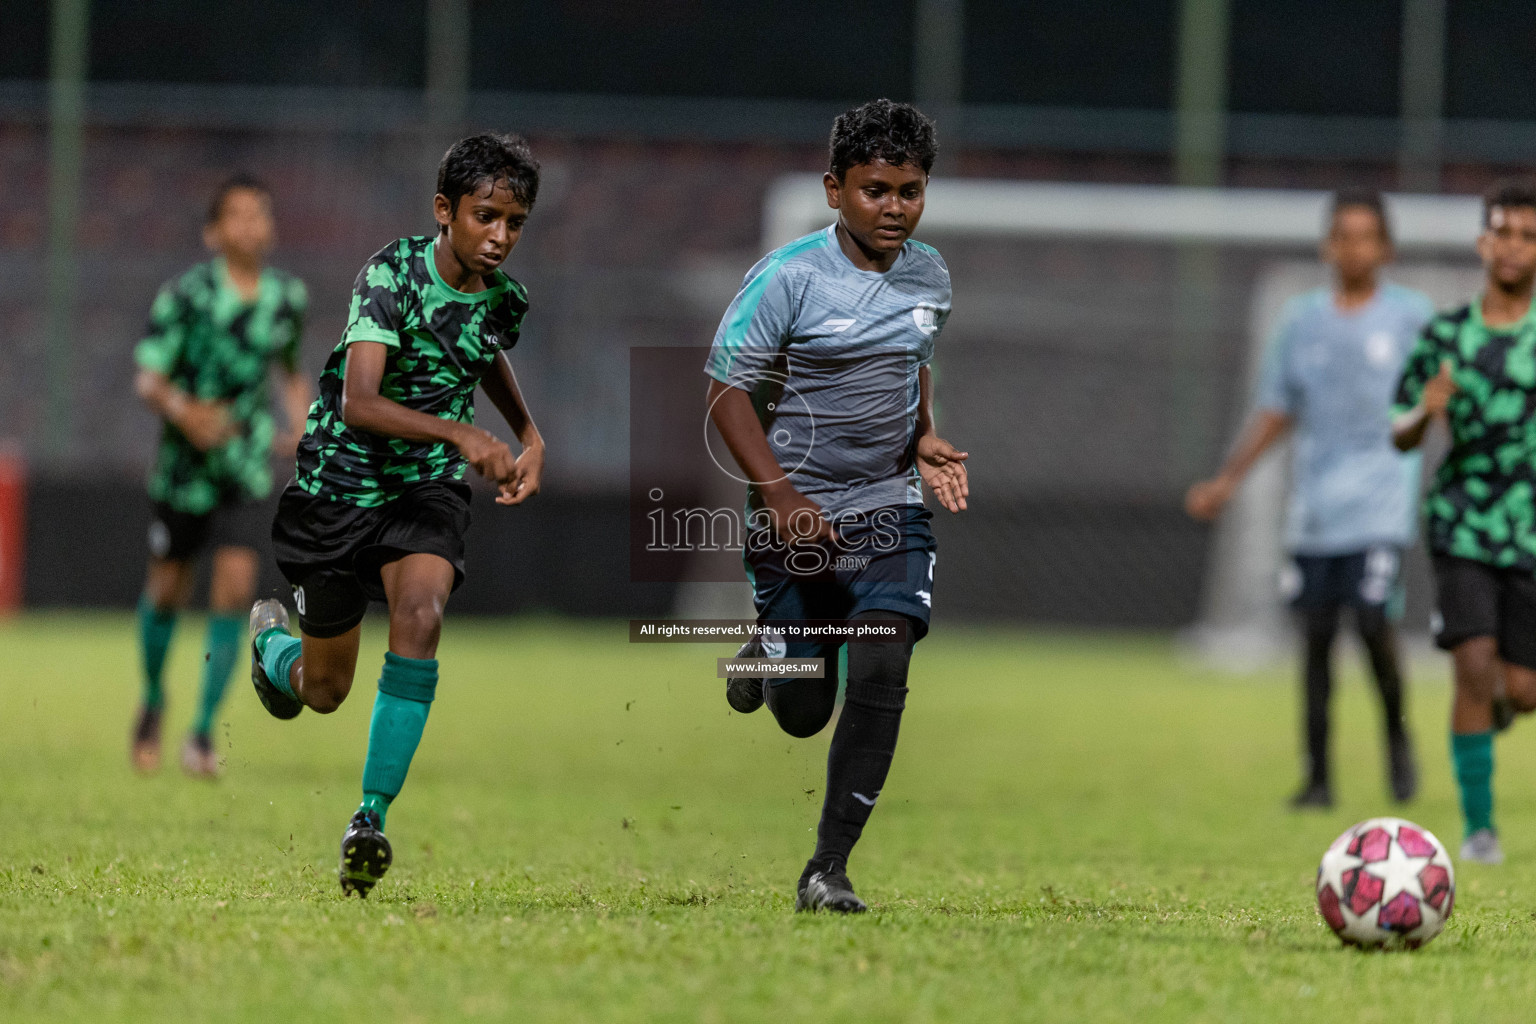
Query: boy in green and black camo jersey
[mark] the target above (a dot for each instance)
(379, 507)
(437, 371)
(1475, 366)
(215, 335)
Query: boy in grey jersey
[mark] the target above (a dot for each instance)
(821, 390)
(1328, 378)
(831, 354)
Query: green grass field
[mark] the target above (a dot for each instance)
(1076, 828)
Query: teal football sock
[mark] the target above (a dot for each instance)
(278, 653)
(155, 629)
(378, 803)
(406, 689)
(1473, 755)
(224, 635)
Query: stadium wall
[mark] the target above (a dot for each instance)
(1076, 371)
(1085, 563)
(562, 553)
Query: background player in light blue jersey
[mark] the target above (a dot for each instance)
(1329, 376)
(821, 390)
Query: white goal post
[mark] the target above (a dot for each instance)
(795, 205)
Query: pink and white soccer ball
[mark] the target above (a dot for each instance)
(1386, 882)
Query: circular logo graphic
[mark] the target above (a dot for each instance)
(783, 440)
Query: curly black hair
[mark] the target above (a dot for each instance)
(1507, 193)
(489, 158)
(1361, 199)
(897, 133)
(239, 181)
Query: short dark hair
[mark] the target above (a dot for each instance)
(239, 181)
(1361, 199)
(493, 158)
(1506, 193)
(897, 133)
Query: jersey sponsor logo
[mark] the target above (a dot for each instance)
(927, 319)
(839, 324)
(1379, 349)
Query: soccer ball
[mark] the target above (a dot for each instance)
(1386, 882)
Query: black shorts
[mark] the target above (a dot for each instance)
(1476, 599)
(331, 552)
(1354, 579)
(180, 536)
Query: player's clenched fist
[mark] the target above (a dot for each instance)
(206, 424)
(1205, 500)
(488, 454)
(796, 519)
(1439, 389)
(526, 474)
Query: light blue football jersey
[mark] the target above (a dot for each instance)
(830, 354)
(1335, 373)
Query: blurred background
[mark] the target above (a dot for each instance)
(1098, 358)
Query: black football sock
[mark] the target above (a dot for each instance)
(863, 743)
(1321, 625)
(1381, 646)
(803, 707)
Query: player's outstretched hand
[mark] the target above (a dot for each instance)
(488, 454)
(206, 424)
(526, 472)
(1439, 389)
(1205, 500)
(796, 518)
(942, 468)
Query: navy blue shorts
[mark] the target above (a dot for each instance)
(882, 562)
(1356, 579)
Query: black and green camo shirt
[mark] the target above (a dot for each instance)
(1482, 503)
(441, 342)
(211, 343)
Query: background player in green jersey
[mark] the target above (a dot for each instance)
(215, 335)
(1475, 366)
(379, 507)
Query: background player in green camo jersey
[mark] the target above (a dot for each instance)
(1476, 367)
(379, 507)
(215, 335)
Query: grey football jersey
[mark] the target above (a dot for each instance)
(830, 354)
